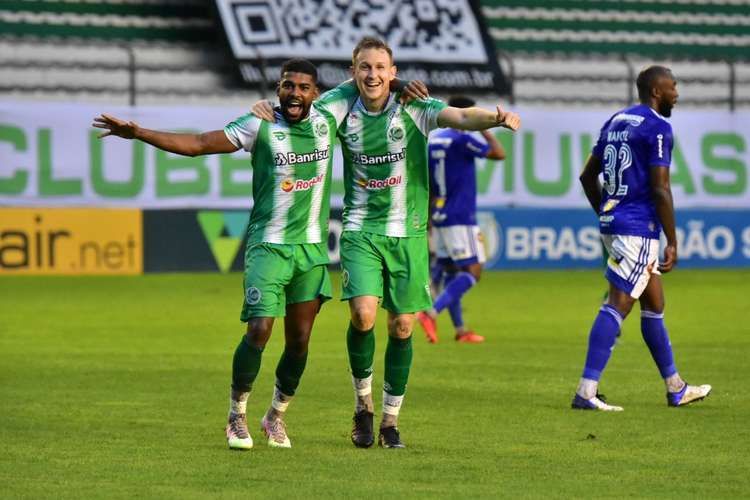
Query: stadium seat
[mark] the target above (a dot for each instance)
(557, 53)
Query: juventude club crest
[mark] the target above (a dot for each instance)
(279, 136)
(353, 137)
(321, 129)
(396, 133)
(345, 277)
(252, 296)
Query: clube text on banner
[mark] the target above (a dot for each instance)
(50, 156)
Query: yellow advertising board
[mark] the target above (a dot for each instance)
(71, 241)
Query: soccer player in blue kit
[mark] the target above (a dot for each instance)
(459, 249)
(634, 152)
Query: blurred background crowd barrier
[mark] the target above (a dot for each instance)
(196, 65)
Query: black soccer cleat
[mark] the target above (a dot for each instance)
(362, 435)
(390, 438)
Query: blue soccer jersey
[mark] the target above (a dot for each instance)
(453, 177)
(630, 144)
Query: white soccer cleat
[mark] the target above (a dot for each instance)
(596, 403)
(688, 394)
(238, 435)
(275, 431)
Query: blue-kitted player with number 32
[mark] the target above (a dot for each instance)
(633, 152)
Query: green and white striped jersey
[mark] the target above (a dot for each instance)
(386, 179)
(292, 169)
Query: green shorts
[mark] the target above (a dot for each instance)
(394, 269)
(279, 275)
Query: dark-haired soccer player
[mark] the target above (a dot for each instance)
(287, 254)
(634, 152)
(458, 241)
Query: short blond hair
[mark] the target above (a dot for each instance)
(371, 42)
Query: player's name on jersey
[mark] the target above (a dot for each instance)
(391, 157)
(292, 158)
(618, 136)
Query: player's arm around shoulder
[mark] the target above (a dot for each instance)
(475, 118)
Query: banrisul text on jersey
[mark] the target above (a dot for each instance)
(385, 167)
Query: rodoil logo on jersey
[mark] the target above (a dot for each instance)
(292, 158)
(378, 184)
(364, 159)
(288, 185)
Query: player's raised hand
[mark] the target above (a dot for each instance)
(115, 126)
(670, 259)
(263, 109)
(508, 119)
(414, 90)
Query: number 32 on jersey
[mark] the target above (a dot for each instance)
(616, 161)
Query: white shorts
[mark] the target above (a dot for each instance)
(462, 244)
(632, 261)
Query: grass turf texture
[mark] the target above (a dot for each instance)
(117, 387)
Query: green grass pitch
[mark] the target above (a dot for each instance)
(117, 388)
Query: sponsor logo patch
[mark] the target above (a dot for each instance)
(288, 185)
(378, 184)
(610, 204)
(292, 158)
(364, 159)
(660, 145)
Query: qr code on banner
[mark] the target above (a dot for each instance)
(443, 31)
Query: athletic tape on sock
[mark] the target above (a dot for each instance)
(280, 401)
(362, 386)
(238, 403)
(392, 404)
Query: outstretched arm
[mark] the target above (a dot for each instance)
(184, 144)
(590, 181)
(477, 118)
(662, 196)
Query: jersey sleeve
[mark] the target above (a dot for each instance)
(338, 101)
(243, 131)
(660, 144)
(425, 113)
(476, 147)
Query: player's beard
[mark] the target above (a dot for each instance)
(665, 109)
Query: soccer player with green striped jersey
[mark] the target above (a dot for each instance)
(287, 253)
(384, 252)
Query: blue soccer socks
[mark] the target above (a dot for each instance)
(601, 341)
(454, 290)
(455, 309)
(656, 338)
